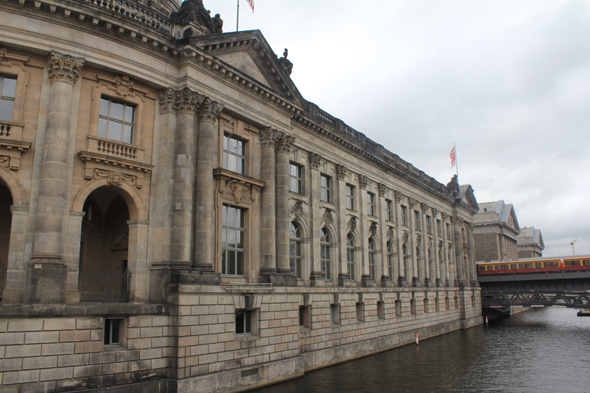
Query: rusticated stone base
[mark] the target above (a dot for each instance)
(46, 283)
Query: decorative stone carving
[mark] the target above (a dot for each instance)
(124, 85)
(167, 100)
(286, 64)
(434, 212)
(268, 136)
(327, 218)
(285, 143)
(209, 110)
(187, 101)
(363, 181)
(382, 190)
(373, 228)
(217, 24)
(314, 160)
(453, 185)
(412, 202)
(424, 207)
(398, 196)
(405, 237)
(352, 224)
(192, 11)
(341, 171)
(64, 67)
(114, 178)
(239, 190)
(444, 216)
(297, 210)
(390, 233)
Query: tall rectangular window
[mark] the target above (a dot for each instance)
(417, 220)
(371, 208)
(326, 188)
(449, 235)
(115, 120)
(234, 154)
(7, 96)
(232, 257)
(389, 210)
(349, 197)
(439, 228)
(429, 225)
(296, 178)
(405, 216)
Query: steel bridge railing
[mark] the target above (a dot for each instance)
(580, 300)
(104, 287)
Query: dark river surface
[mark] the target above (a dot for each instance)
(541, 350)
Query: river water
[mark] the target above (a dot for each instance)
(540, 350)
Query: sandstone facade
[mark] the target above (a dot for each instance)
(174, 216)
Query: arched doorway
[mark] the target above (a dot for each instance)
(103, 268)
(5, 225)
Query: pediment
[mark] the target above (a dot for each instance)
(249, 53)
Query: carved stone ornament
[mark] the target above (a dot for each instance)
(187, 101)
(327, 218)
(114, 178)
(444, 216)
(382, 190)
(167, 100)
(124, 85)
(4, 161)
(297, 210)
(398, 196)
(424, 207)
(268, 136)
(64, 67)
(210, 110)
(341, 171)
(434, 212)
(314, 160)
(193, 11)
(239, 190)
(405, 237)
(373, 228)
(285, 63)
(412, 202)
(352, 224)
(363, 181)
(285, 143)
(390, 233)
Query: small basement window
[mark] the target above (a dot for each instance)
(112, 331)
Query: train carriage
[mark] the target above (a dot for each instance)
(534, 265)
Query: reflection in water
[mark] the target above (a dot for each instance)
(542, 350)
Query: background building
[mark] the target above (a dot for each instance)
(530, 243)
(174, 214)
(496, 229)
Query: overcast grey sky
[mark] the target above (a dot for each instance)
(507, 81)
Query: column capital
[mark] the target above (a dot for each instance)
(187, 101)
(363, 181)
(64, 67)
(434, 212)
(268, 136)
(209, 110)
(412, 202)
(167, 99)
(399, 196)
(341, 171)
(424, 207)
(285, 143)
(314, 160)
(382, 189)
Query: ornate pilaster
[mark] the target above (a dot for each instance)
(363, 182)
(268, 262)
(284, 145)
(341, 172)
(314, 160)
(317, 276)
(382, 190)
(208, 112)
(47, 273)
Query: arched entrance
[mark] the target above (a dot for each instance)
(103, 270)
(5, 225)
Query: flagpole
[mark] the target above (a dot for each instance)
(238, 18)
(456, 161)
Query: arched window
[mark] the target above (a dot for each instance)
(325, 253)
(372, 257)
(350, 255)
(295, 249)
(390, 258)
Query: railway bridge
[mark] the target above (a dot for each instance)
(565, 289)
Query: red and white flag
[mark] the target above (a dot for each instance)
(251, 2)
(453, 157)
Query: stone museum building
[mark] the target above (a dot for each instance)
(496, 232)
(176, 217)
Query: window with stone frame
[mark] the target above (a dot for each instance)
(325, 254)
(325, 188)
(449, 234)
(245, 321)
(371, 207)
(295, 256)
(372, 258)
(234, 154)
(405, 216)
(389, 210)
(350, 262)
(7, 97)
(439, 228)
(233, 250)
(113, 331)
(350, 197)
(390, 258)
(296, 178)
(429, 225)
(417, 220)
(116, 120)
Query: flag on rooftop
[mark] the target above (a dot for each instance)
(453, 157)
(251, 2)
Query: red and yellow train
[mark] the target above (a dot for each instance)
(535, 265)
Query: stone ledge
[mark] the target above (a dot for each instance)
(83, 309)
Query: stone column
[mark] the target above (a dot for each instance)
(458, 245)
(385, 279)
(445, 274)
(268, 252)
(204, 212)
(366, 279)
(137, 263)
(317, 277)
(437, 260)
(47, 271)
(343, 275)
(471, 258)
(186, 103)
(427, 276)
(416, 273)
(15, 270)
(284, 146)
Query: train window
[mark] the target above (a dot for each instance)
(550, 264)
(481, 268)
(528, 265)
(538, 265)
(586, 262)
(572, 263)
(513, 266)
